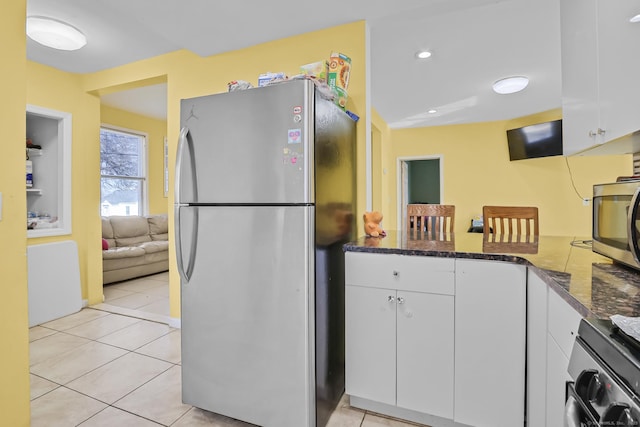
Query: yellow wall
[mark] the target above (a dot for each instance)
(58, 90)
(189, 75)
(380, 146)
(14, 332)
(477, 171)
(156, 131)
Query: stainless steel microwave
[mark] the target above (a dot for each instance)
(616, 221)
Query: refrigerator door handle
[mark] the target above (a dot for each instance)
(185, 273)
(185, 146)
(185, 142)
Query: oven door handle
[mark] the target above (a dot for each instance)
(632, 231)
(572, 413)
(576, 413)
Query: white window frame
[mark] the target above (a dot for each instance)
(145, 165)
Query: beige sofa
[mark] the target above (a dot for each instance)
(137, 246)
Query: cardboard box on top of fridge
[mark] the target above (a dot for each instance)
(318, 70)
(338, 76)
(265, 78)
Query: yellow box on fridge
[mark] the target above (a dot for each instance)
(338, 76)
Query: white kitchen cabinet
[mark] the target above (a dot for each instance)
(371, 343)
(536, 350)
(424, 371)
(400, 333)
(490, 322)
(556, 378)
(552, 326)
(600, 65)
(50, 197)
(563, 321)
(579, 75)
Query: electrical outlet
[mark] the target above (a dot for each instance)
(585, 202)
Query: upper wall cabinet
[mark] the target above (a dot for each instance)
(49, 159)
(600, 69)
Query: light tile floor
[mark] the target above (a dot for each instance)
(146, 297)
(117, 365)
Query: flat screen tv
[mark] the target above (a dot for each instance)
(539, 140)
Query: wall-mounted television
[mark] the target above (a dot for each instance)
(539, 140)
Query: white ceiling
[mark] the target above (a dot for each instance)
(474, 43)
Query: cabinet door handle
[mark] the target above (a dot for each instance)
(400, 300)
(599, 131)
(396, 273)
(391, 298)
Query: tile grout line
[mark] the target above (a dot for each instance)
(142, 385)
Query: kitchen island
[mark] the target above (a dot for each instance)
(477, 320)
(589, 282)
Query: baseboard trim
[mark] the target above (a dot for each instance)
(175, 322)
(401, 413)
(152, 317)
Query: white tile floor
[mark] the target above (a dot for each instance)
(116, 364)
(146, 297)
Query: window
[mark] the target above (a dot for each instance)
(122, 172)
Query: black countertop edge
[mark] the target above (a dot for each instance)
(438, 254)
(558, 283)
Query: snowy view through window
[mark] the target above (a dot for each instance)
(122, 173)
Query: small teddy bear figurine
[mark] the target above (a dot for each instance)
(372, 222)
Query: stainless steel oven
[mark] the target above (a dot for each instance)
(616, 221)
(605, 367)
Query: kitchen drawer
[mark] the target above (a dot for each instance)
(563, 322)
(402, 272)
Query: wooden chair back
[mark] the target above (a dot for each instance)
(431, 218)
(510, 220)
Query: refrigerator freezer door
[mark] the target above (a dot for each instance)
(335, 191)
(248, 146)
(248, 314)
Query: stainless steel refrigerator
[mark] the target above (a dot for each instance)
(265, 198)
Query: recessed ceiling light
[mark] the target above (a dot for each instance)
(635, 19)
(432, 111)
(423, 54)
(55, 34)
(510, 85)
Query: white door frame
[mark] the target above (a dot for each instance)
(402, 189)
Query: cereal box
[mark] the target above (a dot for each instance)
(338, 76)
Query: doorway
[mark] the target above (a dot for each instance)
(135, 116)
(419, 181)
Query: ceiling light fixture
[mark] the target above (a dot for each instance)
(55, 34)
(510, 85)
(423, 54)
(635, 19)
(432, 111)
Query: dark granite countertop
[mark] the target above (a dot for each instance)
(591, 283)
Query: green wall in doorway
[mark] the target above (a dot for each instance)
(424, 181)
